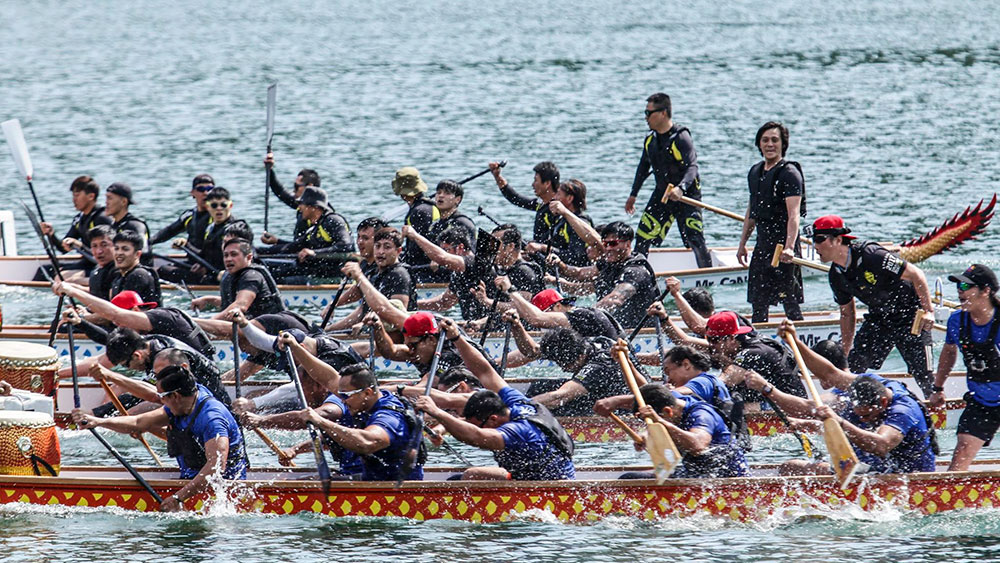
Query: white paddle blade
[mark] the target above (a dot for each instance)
(272, 100)
(18, 148)
(396, 213)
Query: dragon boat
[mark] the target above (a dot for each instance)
(596, 493)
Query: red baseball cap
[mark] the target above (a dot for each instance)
(546, 298)
(831, 225)
(419, 324)
(129, 300)
(726, 323)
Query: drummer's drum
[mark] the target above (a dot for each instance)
(29, 444)
(29, 366)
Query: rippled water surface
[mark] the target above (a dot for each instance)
(892, 109)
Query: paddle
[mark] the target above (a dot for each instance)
(172, 260)
(201, 261)
(413, 448)
(124, 412)
(842, 457)
(371, 348)
(659, 340)
(776, 258)
(696, 203)
(628, 429)
(109, 447)
(506, 349)
(272, 95)
(54, 325)
(803, 439)
(489, 317)
(236, 373)
(487, 215)
(660, 445)
(191, 295)
(501, 164)
(333, 306)
(321, 466)
(638, 327)
(19, 150)
(444, 444)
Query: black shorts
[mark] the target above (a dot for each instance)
(979, 420)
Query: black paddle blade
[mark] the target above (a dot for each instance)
(33, 219)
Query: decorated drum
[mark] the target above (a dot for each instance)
(28, 441)
(29, 366)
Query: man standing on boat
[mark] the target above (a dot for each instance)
(201, 433)
(527, 442)
(421, 217)
(668, 152)
(975, 331)
(894, 291)
(777, 201)
(623, 281)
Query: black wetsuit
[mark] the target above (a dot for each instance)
(78, 229)
(100, 280)
(600, 375)
(544, 218)
(421, 217)
(288, 198)
(442, 275)
(590, 321)
(672, 160)
(568, 245)
(768, 286)
(329, 237)
(635, 271)
(140, 279)
(255, 278)
(192, 223)
(874, 276)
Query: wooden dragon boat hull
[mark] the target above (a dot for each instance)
(595, 495)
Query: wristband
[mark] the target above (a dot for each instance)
(455, 338)
(766, 390)
(937, 388)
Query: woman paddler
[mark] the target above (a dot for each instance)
(975, 330)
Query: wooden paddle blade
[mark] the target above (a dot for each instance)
(776, 257)
(662, 450)
(842, 457)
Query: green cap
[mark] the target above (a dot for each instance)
(407, 182)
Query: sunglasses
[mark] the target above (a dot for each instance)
(650, 112)
(165, 394)
(820, 239)
(220, 204)
(453, 387)
(203, 188)
(966, 286)
(348, 394)
(611, 243)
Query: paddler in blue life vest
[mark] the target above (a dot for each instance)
(201, 433)
(527, 442)
(885, 422)
(668, 153)
(974, 330)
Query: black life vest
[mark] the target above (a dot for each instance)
(413, 423)
(667, 169)
(336, 353)
(765, 201)
(261, 304)
(547, 423)
(786, 377)
(982, 359)
(731, 411)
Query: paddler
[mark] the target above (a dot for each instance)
(192, 222)
(527, 442)
(320, 249)
(623, 280)
(305, 178)
(208, 245)
(422, 215)
(447, 197)
(545, 185)
(573, 233)
(886, 424)
(85, 191)
(894, 290)
(131, 274)
(102, 248)
(777, 201)
(973, 330)
(247, 286)
(201, 433)
(118, 200)
(455, 252)
(669, 152)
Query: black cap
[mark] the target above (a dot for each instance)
(978, 275)
(202, 179)
(121, 189)
(314, 196)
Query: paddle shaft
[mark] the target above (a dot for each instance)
(76, 404)
(638, 327)
(506, 349)
(412, 449)
(487, 215)
(625, 427)
(55, 320)
(234, 337)
(776, 258)
(712, 208)
(333, 306)
(321, 465)
(659, 341)
(124, 412)
(802, 438)
(371, 348)
(271, 106)
(201, 261)
(501, 164)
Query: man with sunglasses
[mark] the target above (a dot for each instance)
(192, 222)
(623, 281)
(668, 152)
(201, 433)
(890, 430)
(777, 201)
(219, 203)
(894, 291)
(974, 330)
